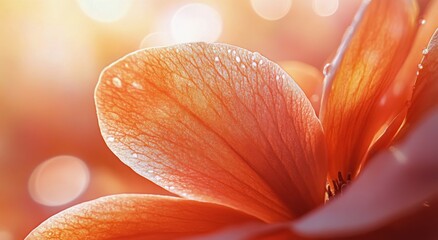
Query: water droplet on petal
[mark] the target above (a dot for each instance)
(134, 155)
(216, 59)
(418, 73)
(422, 21)
(238, 59)
(254, 64)
(420, 66)
(117, 82)
(137, 85)
(229, 51)
(327, 69)
(425, 51)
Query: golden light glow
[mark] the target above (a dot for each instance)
(325, 8)
(271, 9)
(59, 180)
(105, 10)
(196, 22)
(157, 39)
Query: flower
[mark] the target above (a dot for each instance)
(232, 134)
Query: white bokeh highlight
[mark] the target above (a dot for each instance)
(105, 10)
(196, 22)
(271, 9)
(325, 8)
(59, 180)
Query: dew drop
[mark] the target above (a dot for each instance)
(425, 51)
(229, 51)
(418, 73)
(216, 59)
(327, 69)
(238, 59)
(134, 155)
(117, 82)
(420, 66)
(254, 64)
(423, 21)
(137, 85)
(110, 139)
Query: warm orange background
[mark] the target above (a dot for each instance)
(51, 54)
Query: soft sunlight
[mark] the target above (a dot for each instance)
(196, 22)
(271, 9)
(105, 10)
(156, 39)
(325, 8)
(59, 180)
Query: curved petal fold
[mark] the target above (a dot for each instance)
(396, 183)
(215, 123)
(396, 100)
(134, 216)
(308, 78)
(366, 63)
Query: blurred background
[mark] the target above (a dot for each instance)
(51, 53)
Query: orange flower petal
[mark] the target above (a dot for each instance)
(135, 216)
(395, 101)
(424, 98)
(308, 78)
(394, 184)
(215, 123)
(365, 65)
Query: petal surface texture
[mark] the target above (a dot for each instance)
(308, 78)
(134, 216)
(366, 64)
(215, 123)
(394, 184)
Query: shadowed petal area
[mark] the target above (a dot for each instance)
(366, 63)
(134, 216)
(394, 184)
(308, 78)
(215, 123)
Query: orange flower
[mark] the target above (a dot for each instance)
(232, 134)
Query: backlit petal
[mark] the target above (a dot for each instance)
(362, 71)
(394, 103)
(308, 78)
(215, 123)
(394, 184)
(425, 96)
(133, 216)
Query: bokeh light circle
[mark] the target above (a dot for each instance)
(59, 180)
(325, 8)
(196, 22)
(105, 10)
(156, 39)
(271, 9)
